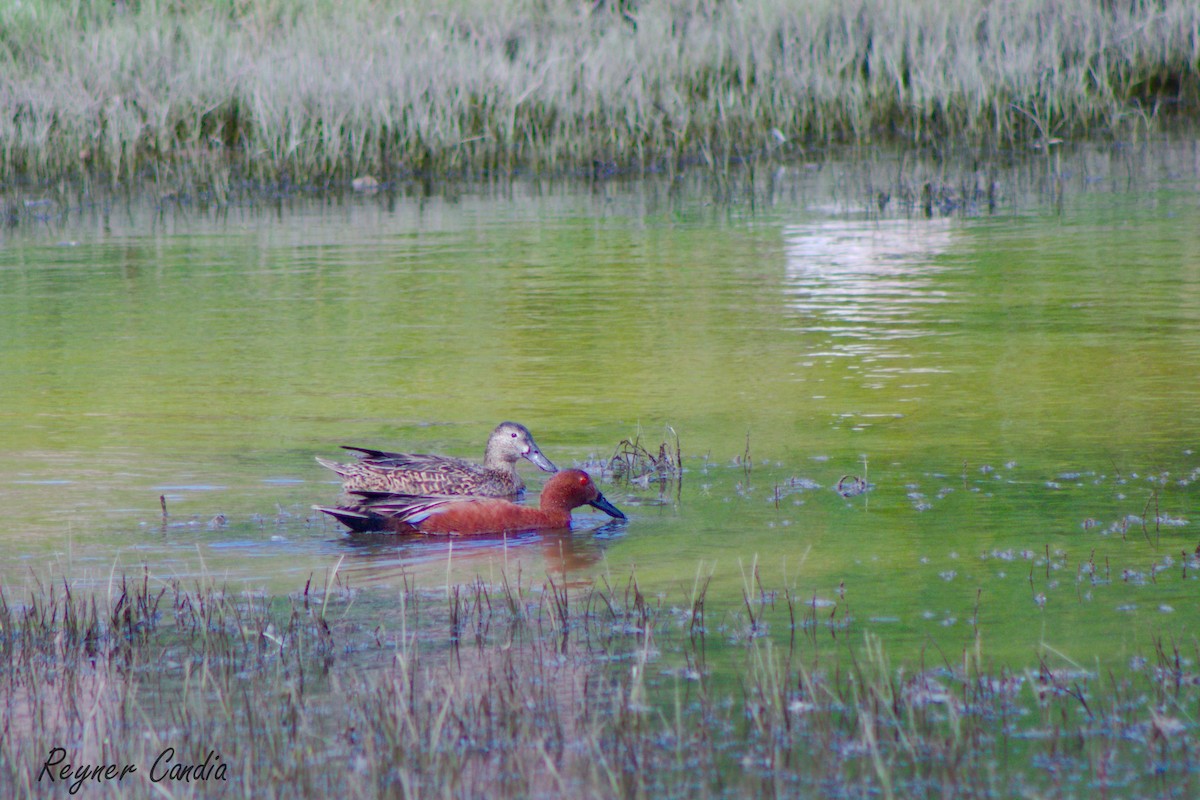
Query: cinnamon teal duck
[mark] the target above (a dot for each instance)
(462, 515)
(426, 475)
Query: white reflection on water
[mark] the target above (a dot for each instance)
(864, 290)
(866, 280)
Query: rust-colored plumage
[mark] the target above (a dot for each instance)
(403, 513)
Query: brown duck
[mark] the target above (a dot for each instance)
(420, 474)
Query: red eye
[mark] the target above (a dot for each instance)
(583, 480)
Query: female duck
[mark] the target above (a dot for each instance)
(401, 513)
(420, 474)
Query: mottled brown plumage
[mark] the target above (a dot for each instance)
(425, 475)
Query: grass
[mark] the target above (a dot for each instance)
(527, 690)
(312, 90)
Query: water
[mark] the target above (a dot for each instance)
(1017, 385)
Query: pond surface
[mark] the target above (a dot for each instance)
(1016, 378)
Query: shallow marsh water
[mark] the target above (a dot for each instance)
(1017, 384)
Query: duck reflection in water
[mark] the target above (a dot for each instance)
(387, 560)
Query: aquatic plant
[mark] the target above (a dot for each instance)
(527, 690)
(633, 462)
(285, 90)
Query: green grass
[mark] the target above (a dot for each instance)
(536, 690)
(313, 89)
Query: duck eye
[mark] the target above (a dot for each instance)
(513, 434)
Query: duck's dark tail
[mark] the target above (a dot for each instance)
(357, 521)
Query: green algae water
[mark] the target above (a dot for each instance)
(1012, 372)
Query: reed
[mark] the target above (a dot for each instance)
(588, 692)
(312, 90)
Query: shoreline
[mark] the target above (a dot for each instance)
(880, 182)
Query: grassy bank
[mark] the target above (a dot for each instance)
(312, 89)
(531, 689)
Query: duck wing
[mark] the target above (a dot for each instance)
(423, 474)
(407, 508)
(384, 459)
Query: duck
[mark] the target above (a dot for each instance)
(465, 515)
(431, 475)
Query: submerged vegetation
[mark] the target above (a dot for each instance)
(313, 89)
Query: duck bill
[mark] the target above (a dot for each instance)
(540, 461)
(607, 507)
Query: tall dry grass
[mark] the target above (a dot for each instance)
(307, 89)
